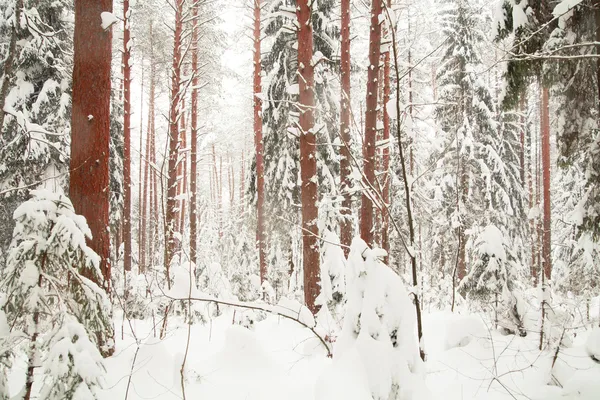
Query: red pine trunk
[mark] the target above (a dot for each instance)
(183, 174)
(366, 210)
(90, 126)
(126, 137)
(385, 237)
(547, 234)
(194, 141)
(174, 114)
(345, 169)
(146, 222)
(308, 160)
(258, 146)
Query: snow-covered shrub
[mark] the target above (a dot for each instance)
(490, 281)
(333, 285)
(379, 333)
(214, 282)
(184, 286)
(53, 305)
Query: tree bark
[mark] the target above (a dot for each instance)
(90, 127)
(547, 234)
(385, 218)
(182, 174)
(146, 221)
(345, 170)
(522, 139)
(308, 160)
(366, 211)
(194, 141)
(174, 114)
(258, 146)
(126, 137)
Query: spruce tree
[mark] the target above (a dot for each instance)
(53, 305)
(35, 94)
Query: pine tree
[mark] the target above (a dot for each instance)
(367, 220)
(281, 132)
(90, 125)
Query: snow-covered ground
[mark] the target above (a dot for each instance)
(279, 359)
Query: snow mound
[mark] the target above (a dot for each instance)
(593, 344)
(243, 357)
(461, 329)
(345, 379)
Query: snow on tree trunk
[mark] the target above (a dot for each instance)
(90, 126)
(127, 135)
(194, 141)
(258, 146)
(146, 220)
(385, 236)
(366, 210)
(547, 237)
(345, 223)
(171, 226)
(308, 160)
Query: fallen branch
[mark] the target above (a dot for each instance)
(260, 307)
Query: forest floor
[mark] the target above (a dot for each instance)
(279, 359)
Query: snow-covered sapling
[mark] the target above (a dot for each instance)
(53, 303)
(490, 281)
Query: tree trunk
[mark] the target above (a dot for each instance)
(366, 210)
(385, 221)
(90, 127)
(258, 146)
(174, 114)
(194, 141)
(522, 152)
(142, 191)
(242, 180)
(146, 221)
(126, 136)
(182, 175)
(409, 214)
(308, 160)
(345, 170)
(547, 234)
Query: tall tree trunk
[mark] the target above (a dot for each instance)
(142, 191)
(407, 192)
(194, 141)
(146, 221)
(366, 209)
(242, 180)
(126, 136)
(258, 146)
(308, 159)
(345, 170)
(183, 174)
(547, 234)
(174, 115)
(385, 222)
(90, 127)
(522, 137)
